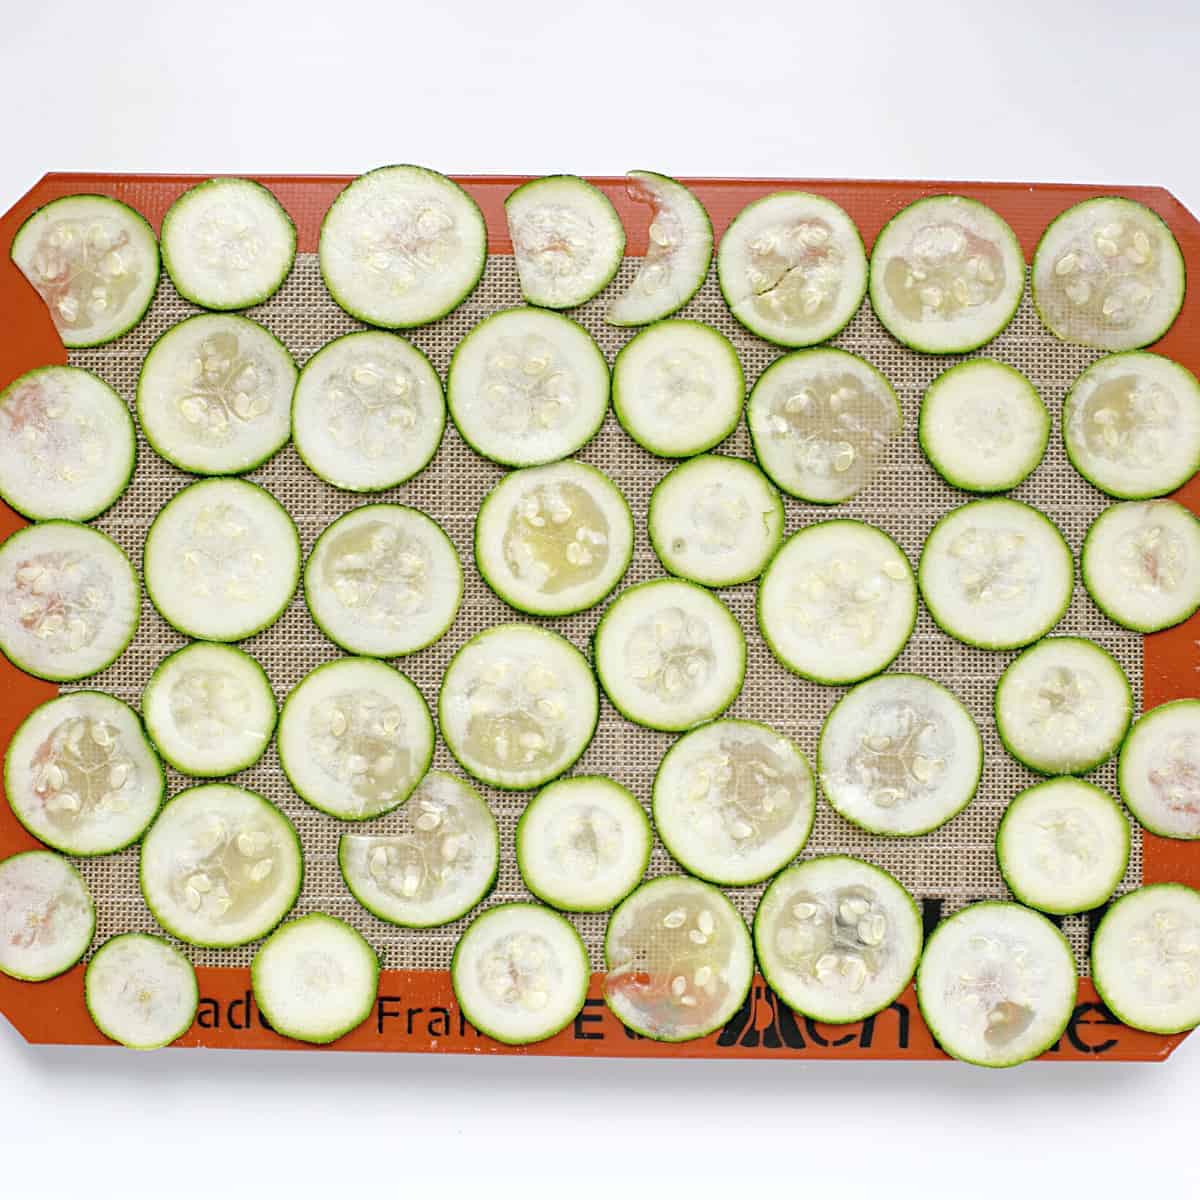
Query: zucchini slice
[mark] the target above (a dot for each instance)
(402, 246)
(227, 244)
(583, 844)
(553, 540)
(46, 914)
(1063, 846)
(715, 520)
(678, 388)
(1146, 958)
(209, 710)
(222, 560)
(439, 864)
(66, 444)
(792, 268)
(1159, 770)
(315, 979)
(1141, 564)
(838, 602)
(997, 984)
(220, 866)
(527, 387)
(94, 261)
(734, 801)
(899, 755)
(996, 574)
(567, 240)
(947, 275)
(81, 776)
(215, 394)
(1108, 273)
(678, 251)
(368, 412)
(518, 706)
(838, 939)
(355, 738)
(820, 422)
(983, 426)
(383, 580)
(520, 973)
(669, 655)
(1131, 425)
(141, 992)
(1063, 706)
(69, 600)
(679, 960)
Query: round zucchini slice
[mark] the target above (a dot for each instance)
(439, 864)
(1159, 770)
(947, 275)
(315, 979)
(215, 394)
(899, 755)
(679, 960)
(518, 706)
(838, 939)
(141, 992)
(209, 709)
(792, 268)
(715, 520)
(678, 251)
(355, 738)
(997, 984)
(734, 801)
(820, 422)
(1108, 273)
(583, 844)
(996, 574)
(222, 560)
(520, 973)
(81, 776)
(983, 426)
(553, 540)
(227, 243)
(678, 388)
(1063, 706)
(1141, 564)
(66, 445)
(1131, 425)
(567, 240)
(46, 914)
(838, 602)
(1146, 958)
(1063, 846)
(220, 866)
(383, 580)
(368, 412)
(69, 600)
(669, 655)
(402, 246)
(527, 387)
(94, 261)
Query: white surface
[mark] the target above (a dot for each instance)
(777, 88)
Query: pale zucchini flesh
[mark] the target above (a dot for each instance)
(734, 801)
(520, 973)
(141, 992)
(1159, 770)
(66, 444)
(837, 938)
(80, 775)
(47, 917)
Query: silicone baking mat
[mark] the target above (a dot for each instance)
(946, 869)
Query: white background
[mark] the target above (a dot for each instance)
(1097, 91)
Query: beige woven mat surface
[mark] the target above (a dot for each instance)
(955, 864)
